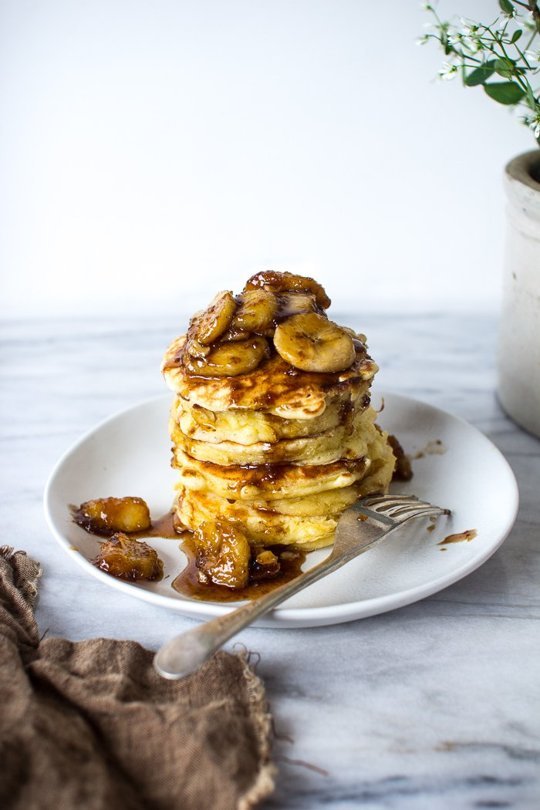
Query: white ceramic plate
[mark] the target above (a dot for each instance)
(129, 455)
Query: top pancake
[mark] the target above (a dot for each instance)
(274, 386)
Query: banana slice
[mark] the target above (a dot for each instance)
(230, 359)
(294, 303)
(196, 349)
(233, 335)
(311, 342)
(223, 553)
(216, 319)
(288, 282)
(256, 312)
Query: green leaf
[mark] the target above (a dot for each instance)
(480, 74)
(506, 7)
(515, 36)
(531, 100)
(504, 92)
(505, 68)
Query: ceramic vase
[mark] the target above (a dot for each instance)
(519, 331)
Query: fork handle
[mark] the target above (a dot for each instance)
(185, 653)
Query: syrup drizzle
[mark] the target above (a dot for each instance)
(187, 582)
(461, 537)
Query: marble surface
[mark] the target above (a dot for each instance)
(436, 705)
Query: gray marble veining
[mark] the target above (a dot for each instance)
(435, 705)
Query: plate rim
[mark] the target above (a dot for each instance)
(286, 617)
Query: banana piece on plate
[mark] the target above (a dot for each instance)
(125, 558)
(311, 342)
(223, 553)
(106, 516)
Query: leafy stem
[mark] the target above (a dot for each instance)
(488, 55)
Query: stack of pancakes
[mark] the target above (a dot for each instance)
(271, 424)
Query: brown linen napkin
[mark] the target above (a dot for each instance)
(90, 725)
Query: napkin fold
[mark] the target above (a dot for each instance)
(91, 725)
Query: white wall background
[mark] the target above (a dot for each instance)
(155, 151)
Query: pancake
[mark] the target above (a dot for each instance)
(265, 529)
(293, 521)
(249, 427)
(274, 386)
(330, 502)
(348, 440)
(271, 426)
(267, 481)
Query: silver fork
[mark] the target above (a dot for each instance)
(359, 528)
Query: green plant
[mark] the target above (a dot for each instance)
(502, 57)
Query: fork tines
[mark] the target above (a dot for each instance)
(401, 507)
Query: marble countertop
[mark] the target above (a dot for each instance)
(435, 705)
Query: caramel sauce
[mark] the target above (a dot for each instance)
(164, 526)
(403, 470)
(272, 475)
(273, 381)
(461, 537)
(187, 582)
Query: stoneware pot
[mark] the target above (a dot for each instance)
(519, 332)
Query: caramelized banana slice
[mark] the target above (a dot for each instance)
(129, 559)
(196, 349)
(223, 554)
(216, 319)
(288, 282)
(257, 310)
(234, 334)
(294, 303)
(106, 516)
(230, 359)
(311, 342)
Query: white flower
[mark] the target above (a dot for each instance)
(422, 40)
(454, 38)
(468, 29)
(468, 37)
(533, 122)
(532, 56)
(472, 44)
(448, 71)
